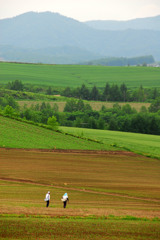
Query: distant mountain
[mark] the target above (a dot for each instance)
(143, 60)
(150, 23)
(52, 38)
(50, 55)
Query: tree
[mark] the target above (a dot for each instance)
(16, 85)
(71, 105)
(141, 95)
(9, 100)
(106, 93)
(43, 106)
(115, 93)
(9, 110)
(49, 91)
(155, 93)
(123, 90)
(52, 121)
(155, 106)
(80, 105)
(67, 92)
(127, 109)
(94, 95)
(100, 123)
(84, 92)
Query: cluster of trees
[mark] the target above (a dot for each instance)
(8, 100)
(17, 85)
(122, 61)
(78, 114)
(117, 118)
(112, 93)
(108, 93)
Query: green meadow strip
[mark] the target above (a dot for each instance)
(143, 144)
(109, 217)
(62, 76)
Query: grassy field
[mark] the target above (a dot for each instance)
(148, 145)
(76, 75)
(15, 134)
(112, 196)
(95, 105)
(79, 229)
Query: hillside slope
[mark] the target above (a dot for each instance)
(15, 134)
(149, 23)
(145, 144)
(76, 75)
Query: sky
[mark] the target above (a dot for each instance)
(84, 10)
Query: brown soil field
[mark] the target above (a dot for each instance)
(98, 183)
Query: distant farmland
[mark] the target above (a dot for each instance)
(61, 76)
(95, 105)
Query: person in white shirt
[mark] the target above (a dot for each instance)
(65, 199)
(47, 199)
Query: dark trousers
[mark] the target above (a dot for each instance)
(47, 204)
(65, 204)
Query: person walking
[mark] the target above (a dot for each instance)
(47, 199)
(65, 199)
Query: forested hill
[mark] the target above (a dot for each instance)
(149, 23)
(52, 38)
(143, 60)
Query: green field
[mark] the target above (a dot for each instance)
(16, 134)
(148, 145)
(76, 75)
(77, 229)
(114, 191)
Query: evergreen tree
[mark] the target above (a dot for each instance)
(94, 95)
(123, 90)
(155, 106)
(84, 92)
(106, 92)
(16, 85)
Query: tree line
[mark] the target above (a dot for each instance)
(79, 114)
(110, 92)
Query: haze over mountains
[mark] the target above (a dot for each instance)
(150, 23)
(52, 38)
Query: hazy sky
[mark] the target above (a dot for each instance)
(84, 10)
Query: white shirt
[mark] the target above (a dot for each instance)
(47, 197)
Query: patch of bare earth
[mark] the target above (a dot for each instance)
(125, 153)
(138, 208)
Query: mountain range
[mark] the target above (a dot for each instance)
(150, 23)
(52, 38)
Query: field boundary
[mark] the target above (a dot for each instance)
(109, 152)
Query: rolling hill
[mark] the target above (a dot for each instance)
(62, 76)
(16, 134)
(149, 23)
(34, 37)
